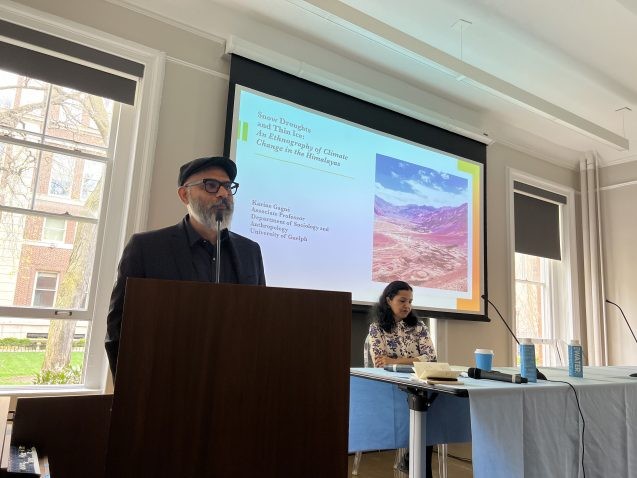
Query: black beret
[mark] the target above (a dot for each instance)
(200, 164)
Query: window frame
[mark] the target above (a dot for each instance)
(35, 287)
(45, 229)
(128, 200)
(571, 328)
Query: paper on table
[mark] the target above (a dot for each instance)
(435, 371)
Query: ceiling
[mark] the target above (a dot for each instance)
(554, 79)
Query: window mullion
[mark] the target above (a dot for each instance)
(110, 152)
(56, 149)
(45, 121)
(530, 282)
(547, 292)
(55, 215)
(44, 313)
(36, 176)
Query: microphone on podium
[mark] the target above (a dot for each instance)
(218, 220)
(540, 375)
(629, 328)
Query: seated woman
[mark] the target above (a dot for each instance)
(397, 336)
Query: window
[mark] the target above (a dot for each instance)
(545, 304)
(52, 164)
(46, 284)
(61, 158)
(61, 176)
(42, 182)
(532, 298)
(53, 230)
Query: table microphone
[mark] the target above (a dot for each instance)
(478, 373)
(540, 375)
(629, 328)
(399, 368)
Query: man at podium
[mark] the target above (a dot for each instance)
(188, 250)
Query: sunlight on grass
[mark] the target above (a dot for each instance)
(19, 368)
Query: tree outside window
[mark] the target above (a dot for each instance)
(61, 176)
(91, 176)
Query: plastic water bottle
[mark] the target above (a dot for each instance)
(575, 365)
(528, 368)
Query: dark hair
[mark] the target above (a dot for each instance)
(381, 312)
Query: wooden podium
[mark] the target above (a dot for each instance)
(222, 380)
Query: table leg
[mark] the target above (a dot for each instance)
(417, 436)
(419, 403)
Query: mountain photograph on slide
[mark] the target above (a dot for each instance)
(420, 226)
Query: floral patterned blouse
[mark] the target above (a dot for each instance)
(402, 341)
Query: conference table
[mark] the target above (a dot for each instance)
(516, 430)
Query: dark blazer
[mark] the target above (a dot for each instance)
(165, 254)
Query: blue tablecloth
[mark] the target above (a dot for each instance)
(379, 417)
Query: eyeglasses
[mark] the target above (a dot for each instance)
(212, 185)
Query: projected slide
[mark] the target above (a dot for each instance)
(337, 206)
(420, 216)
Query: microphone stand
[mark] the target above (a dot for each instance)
(629, 327)
(504, 321)
(540, 375)
(218, 219)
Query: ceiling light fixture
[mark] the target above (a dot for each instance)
(624, 110)
(461, 25)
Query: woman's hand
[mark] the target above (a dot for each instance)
(381, 361)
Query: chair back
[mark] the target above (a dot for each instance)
(367, 355)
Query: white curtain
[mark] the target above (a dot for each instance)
(593, 260)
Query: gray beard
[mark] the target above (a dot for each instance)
(206, 215)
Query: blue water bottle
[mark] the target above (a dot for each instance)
(528, 368)
(575, 364)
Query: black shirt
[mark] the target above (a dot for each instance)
(204, 256)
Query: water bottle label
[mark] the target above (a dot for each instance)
(527, 362)
(575, 365)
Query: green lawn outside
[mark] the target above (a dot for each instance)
(19, 368)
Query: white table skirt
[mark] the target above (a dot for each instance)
(534, 430)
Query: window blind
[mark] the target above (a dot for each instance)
(537, 221)
(21, 53)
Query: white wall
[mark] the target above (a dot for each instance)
(192, 119)
(619, 234)
(462, 337)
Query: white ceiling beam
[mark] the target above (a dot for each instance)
(390, 37)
